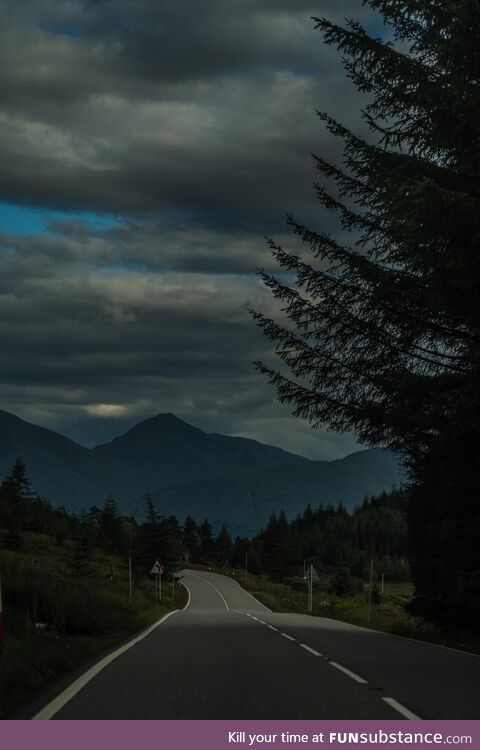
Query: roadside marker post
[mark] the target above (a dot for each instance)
(130, 576)
(311, 575)
(370, 592)
(1, 613)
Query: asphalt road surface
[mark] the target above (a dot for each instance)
(226, 656)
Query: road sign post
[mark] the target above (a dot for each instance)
(157, 571)
(310, 576)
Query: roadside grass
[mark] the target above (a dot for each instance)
(58, 617)
(388, 610)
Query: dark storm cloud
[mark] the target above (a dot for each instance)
(160, 108)
(192, 124)
(82, 341)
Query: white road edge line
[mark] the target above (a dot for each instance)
(253, 597)
(401, 709)
(61, 700)
(218, 592)
(290, 638)
(188, 592)
(307, 648)
(348, 672)
(403, 637)
(272, 627)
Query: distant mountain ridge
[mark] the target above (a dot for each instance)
(230, 480)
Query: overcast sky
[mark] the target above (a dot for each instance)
(146, 150)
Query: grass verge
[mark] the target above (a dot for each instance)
(388, 612)
(56, 620)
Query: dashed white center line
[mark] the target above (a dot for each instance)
(390, 701)
(311, 650)
(401, 709)
(348, 672)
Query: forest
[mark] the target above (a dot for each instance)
(326, 536)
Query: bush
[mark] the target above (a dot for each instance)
(341, 583)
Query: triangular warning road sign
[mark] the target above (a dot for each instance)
(157, 569)
(311, 574)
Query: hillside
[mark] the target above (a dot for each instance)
(244, 502)
(227, 479)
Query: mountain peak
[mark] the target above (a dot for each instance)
(161, 427)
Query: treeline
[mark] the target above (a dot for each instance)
(327, 536)
(153, 537)
(330, 538)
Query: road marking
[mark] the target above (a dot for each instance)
(273, 628)
(188, 591)
(348, 672)
(218, 592)
(312, 650)
(261, 622)
(401, 709)
(285, 635)
(57, 703)
(252, 596)
(402, 637)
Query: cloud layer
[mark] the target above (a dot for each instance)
(192, 128)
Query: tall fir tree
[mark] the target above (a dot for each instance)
(384, 331)
(191, 539)
(17, 484)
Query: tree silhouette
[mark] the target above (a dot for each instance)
(383, 330)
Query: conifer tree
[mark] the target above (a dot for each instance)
(383, 337)
(224, 547)
(207, 544)
(191, 538)
(17, 484)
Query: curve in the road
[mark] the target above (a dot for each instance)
(227, 656)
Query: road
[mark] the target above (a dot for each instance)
(226, 656)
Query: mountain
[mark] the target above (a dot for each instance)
(166, 450)
(244, 502)
(230, 480)
(58, 468)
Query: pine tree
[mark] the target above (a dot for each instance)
(224, 547)
(112, 532)
(191, 539)
(17, 484)
(152, 516)
(207, 544)
(384, 332)
(283, 550)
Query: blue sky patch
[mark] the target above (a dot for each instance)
(24, 220)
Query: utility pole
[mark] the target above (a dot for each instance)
(370, 592)
(383, 580)
(245, 573)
